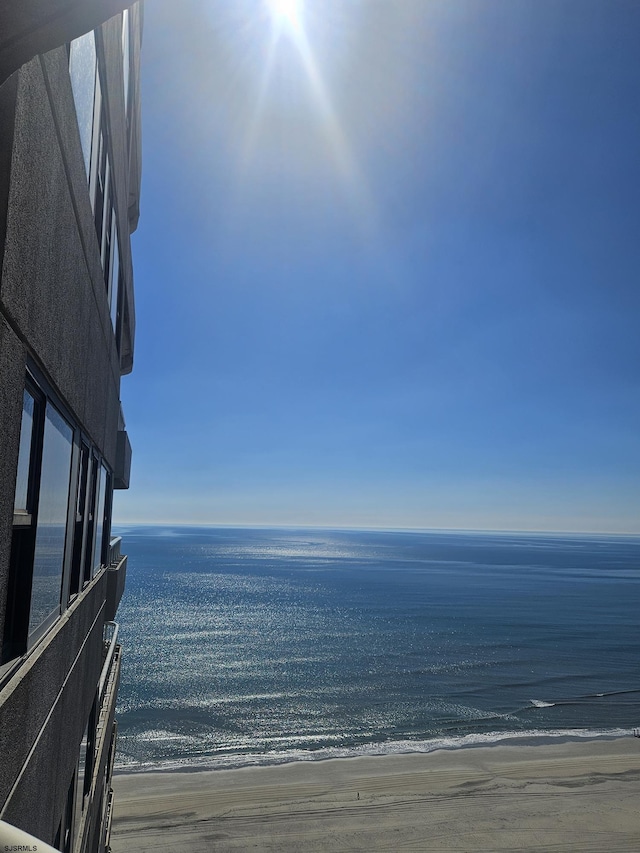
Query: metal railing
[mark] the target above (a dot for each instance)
(110, 640)
(107, 820)
(114, 553)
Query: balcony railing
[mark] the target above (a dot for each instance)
(104, 748)
(114, 556)
(110, 646)
(107, 820)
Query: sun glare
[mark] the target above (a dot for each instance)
(297, 27)
(286, 12)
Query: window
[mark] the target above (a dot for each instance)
(22, 502)
(94, 138)
(90, 527)
(87, 96)
(105, 218)
(93, 504)
(126, 59)
(60, 524)
(114, 276)
(97, 143)
(83, 70)
(51, 528)
(16, 629)
(100, 177)
(100, 525)
(75, 583)
(118, 311)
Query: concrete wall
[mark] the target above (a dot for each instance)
(12, 361)
(54, 314)
(52, 286)
(44, 709)
(53, 304)
(116, 578)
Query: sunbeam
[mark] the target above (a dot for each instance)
(289, 27)
(336, 138)
(287, 12)
(252, 131)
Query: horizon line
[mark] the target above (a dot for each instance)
(374, 528)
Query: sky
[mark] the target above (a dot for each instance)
(387, 266)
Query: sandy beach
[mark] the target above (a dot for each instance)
(580, 796)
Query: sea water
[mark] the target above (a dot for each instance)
(257, 646)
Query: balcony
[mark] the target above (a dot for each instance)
(97, 813)
(116, 577)
(123, 461)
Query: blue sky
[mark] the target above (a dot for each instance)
(387, 266)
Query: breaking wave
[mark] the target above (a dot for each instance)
(401, 747)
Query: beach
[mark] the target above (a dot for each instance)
(552, 796)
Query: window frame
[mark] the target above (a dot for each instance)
(87, 153)
(100, 172)
(15, 640)
(126, 61)
(78, 566)
(41, 628)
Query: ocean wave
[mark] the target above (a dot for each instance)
(234, 761)
(577, 700)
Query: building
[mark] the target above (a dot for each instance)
(69, 190)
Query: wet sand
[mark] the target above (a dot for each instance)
(582, 796)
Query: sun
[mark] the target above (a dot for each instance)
(286, 12)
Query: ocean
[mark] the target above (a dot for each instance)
(260, 646)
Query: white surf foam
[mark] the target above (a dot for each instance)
(231, 761)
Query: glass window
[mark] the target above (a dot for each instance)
(52, 518)
(107, 223)
(114, 272)
(82, 70)
(102, 200)
(97, 146)
(90, 530)
(24, 456)
(79, 523)
(102, 490)
(47, 507)
(125, 57)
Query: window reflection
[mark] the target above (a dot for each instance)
(125, 57)
(97, 560)
(114, 273)
(82, 69)
(79, 523)
(24, 455)
(52, 518)
(90, 529)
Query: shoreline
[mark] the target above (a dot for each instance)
(578, 795)
(426, 747)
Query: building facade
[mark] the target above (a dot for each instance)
(69, 192)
